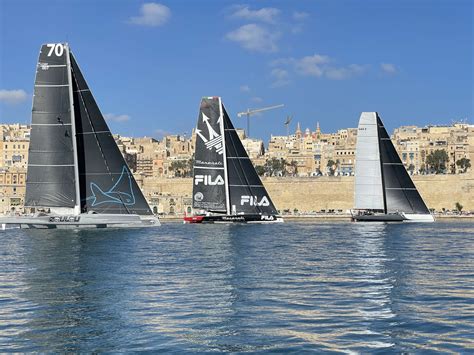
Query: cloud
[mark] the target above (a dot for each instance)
(281, 77)
(319, 66)
(254, 37)
(300, 15)
(244, 88)
(256, 99)
(116, 118)
(152, 14)
(388, 68)
(265, 14)
(311, 65)
(13, 97)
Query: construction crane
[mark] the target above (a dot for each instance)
(254, 111)
(287, 124)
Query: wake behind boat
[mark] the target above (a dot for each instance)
(77, 177)
(226, 187)
(384, 192)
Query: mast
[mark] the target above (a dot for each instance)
(77, 206)
(226, 176)
(384, 193)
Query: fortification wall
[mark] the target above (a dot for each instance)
(324, 193)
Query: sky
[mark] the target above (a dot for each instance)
(149, 63)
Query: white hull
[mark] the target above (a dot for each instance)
(425, 218)
(81, 221)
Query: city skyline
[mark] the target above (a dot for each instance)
(326, 62)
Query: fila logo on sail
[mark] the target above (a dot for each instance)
(215, 139)
(207, 180)
(253, 201)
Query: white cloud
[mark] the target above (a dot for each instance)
(281, 77)
(265, 14)
(311, 65)
(244, 88)
(254, 37)
(256, 99)
(116, 118)
(319, 66)
(347, 72)
(388, 68)
(152, 14)
(13, 96)
(300, 15)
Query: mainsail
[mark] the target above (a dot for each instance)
(225, 180)
(50, 176)
(74, 161)
(382, 182)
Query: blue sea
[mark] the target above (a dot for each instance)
(293, 287)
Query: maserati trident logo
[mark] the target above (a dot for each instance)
(214, 140)
(253, 201)
(207, 180)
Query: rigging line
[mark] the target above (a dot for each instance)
(97, 141)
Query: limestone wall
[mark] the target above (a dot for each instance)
(318, 193)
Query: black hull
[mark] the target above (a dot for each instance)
(379, 218)
(249, 218)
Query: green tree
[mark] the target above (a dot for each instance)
(331, 165)
(293, 167)
(260, 170)
(180, 168)
(275, 166)
(437, 161)
(459, 207)
(411, 168)
(464, 164)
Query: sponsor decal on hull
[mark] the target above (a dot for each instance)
(65, 219)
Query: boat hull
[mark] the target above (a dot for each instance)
(82, 221)
(249, 218)
(395, 217)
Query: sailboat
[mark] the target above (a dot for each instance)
(76, 177)
(226, 187)
(384, 190)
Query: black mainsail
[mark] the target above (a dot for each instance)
(50, 175)
(224, 179)
(382, 184)
(75, 166)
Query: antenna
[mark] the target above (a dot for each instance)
(254, 111)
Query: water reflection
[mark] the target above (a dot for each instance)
(294, 287)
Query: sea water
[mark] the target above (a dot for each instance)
(299, 287)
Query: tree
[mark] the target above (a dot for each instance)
(274, 166)
(411, 169)
(180, 168)
(458, 206)
(464, 164)
(260, 170)
(437, 161)
(294, 167)
(331, 165)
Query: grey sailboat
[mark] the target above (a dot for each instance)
(383, 189)
(77, 177)
(226, 187)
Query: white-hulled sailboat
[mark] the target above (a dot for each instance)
(384, 190)
(226, 187)
(77, 177)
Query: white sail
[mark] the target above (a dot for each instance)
(368, 179)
